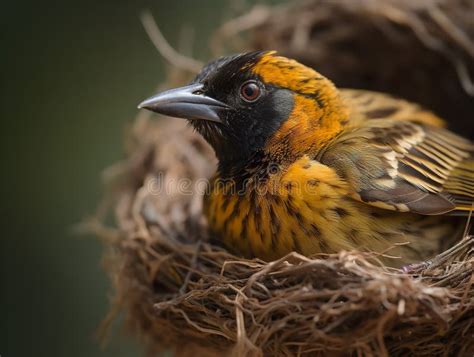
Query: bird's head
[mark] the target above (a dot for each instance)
(257, 102)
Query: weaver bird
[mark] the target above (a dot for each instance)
(306, 167)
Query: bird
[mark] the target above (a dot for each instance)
(306, 167)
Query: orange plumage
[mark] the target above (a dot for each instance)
(304, 166)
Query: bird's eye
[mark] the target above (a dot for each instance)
(250, 91)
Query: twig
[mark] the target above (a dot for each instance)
(463, 40)
(256, 16)
(173, 57)
(453, 31)
(463, 75)
(194, 259)
(468, 222)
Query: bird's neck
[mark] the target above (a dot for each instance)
(316, 119)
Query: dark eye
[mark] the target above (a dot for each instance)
(250, 91)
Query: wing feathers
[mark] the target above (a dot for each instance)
(420, 168)
(406, 197)
(398, 146)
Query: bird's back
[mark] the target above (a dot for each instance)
(366, 105)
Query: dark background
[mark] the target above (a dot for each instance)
(72, 75)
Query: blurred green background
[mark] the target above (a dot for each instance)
(73, 73)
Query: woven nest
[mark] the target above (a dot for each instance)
(180, 292)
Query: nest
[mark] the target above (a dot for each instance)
(179, 291)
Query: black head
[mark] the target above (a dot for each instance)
(234, 109)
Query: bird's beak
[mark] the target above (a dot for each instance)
(186, 102)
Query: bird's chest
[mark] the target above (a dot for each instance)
(300, 210)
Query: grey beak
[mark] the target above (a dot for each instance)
(186, 102)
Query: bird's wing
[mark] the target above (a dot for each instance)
(405, 166)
